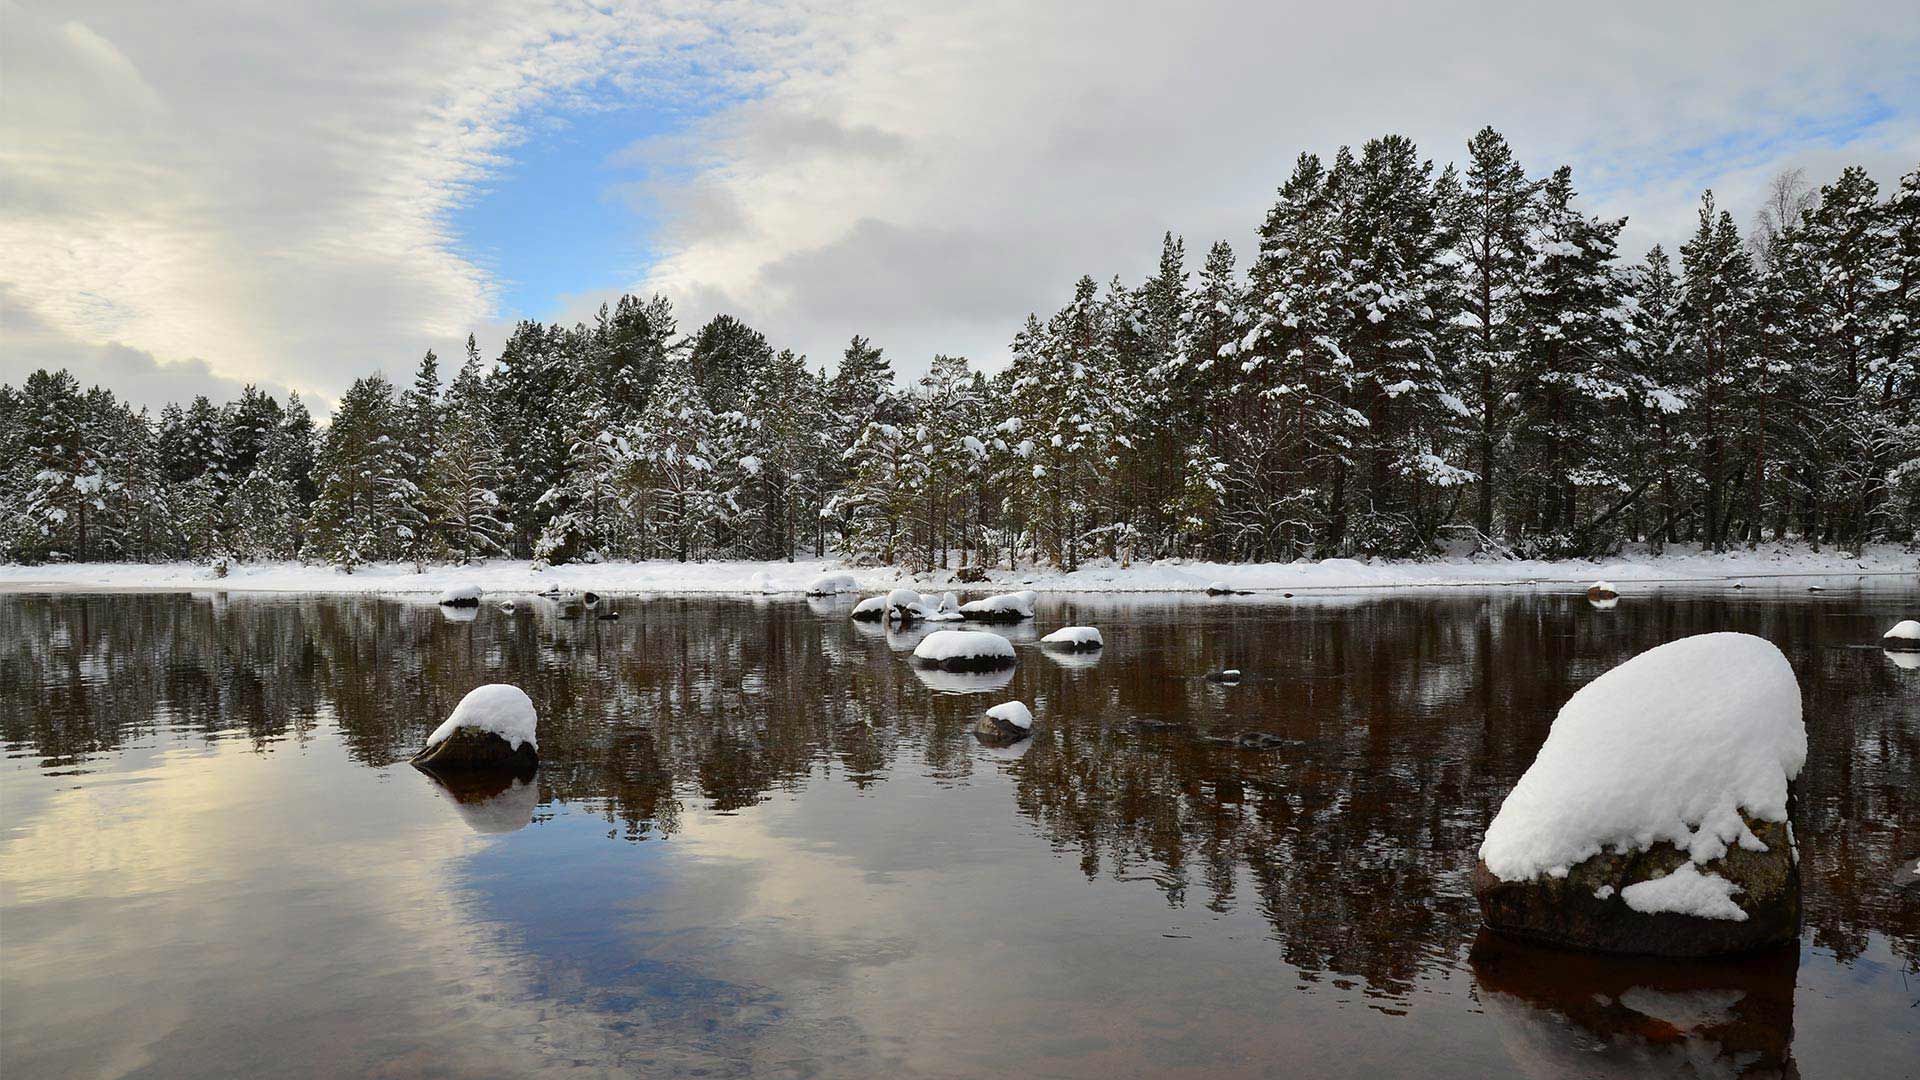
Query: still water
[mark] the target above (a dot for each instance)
(762, 843)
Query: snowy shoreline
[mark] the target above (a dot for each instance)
(510, 577)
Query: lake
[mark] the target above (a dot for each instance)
(761, 843)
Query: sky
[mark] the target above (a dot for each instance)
(197, 195)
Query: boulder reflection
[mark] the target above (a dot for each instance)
(1565, 1014)
(490, 802)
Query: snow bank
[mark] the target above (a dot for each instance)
(832, 584)
(1680, 563)
(1670, 745)
(1079, 637)
(944, 645)
(504, 710)
(465, 595)
(1015, 713)
(1686, 891)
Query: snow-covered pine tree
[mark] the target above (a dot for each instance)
(63, 482)
(676, 502)
(465, 474)
(1567, 472)
(1719, 348)
(359, 467)
(1492, 217)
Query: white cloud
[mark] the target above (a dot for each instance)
(267, 189)
(961, 164)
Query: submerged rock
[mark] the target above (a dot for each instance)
(1225, 675)
(1004, 724)
(1655, 818)
(1904, 636)
(461, 596)
(491, 728)
(1075, 639)
(1007, 608)
(1249, 740)
(964, 650)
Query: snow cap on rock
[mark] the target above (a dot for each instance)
(1672, 745)
(499, 708)
(1015, 713)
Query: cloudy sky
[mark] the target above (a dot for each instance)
(196, 195)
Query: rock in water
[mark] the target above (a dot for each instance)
(1007, 608)
(461, 596)
(872, 609)
(1654, 819)
(1074, 639)
(964, 650)
(1903, 636)
(1602, 590)
(1004, 724)
(491, 728)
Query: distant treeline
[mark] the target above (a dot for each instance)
(1416, 358)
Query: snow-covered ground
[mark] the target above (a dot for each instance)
(507, 577)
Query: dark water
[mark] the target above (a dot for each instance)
(760, 843)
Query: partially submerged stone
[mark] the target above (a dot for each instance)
(1007, 608)
(964, 650)
(1655, 818)
(1602, 590)
(1904, 636)
(493, 727)
(1075, 639)
(1004, 724)
(461, 596)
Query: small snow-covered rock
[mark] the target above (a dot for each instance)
(872, 609)
(964, 650)
(1904, 635)
(1010, 607)
(1602, 590)
(1667, 780)
(832, 584)
(492, 727)
(1226, 675)
(1004, 724)
(1220, 588)
(1074, 639)
(760, 583)
(467, 595)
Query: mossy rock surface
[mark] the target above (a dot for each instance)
(1569, 911)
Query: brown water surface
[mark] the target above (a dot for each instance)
(762, 843)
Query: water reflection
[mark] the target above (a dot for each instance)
(767, 733)
(490, 802)
(1567, 1014)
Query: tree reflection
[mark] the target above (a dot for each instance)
(1401, 722)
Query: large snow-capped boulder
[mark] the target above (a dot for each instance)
(872, 609)
(491, 728)
(832, 583)
(1074, 639)
(1654, 819)
(964, 650)
(1004, 724)
(1008, 608)
(1903, 636)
